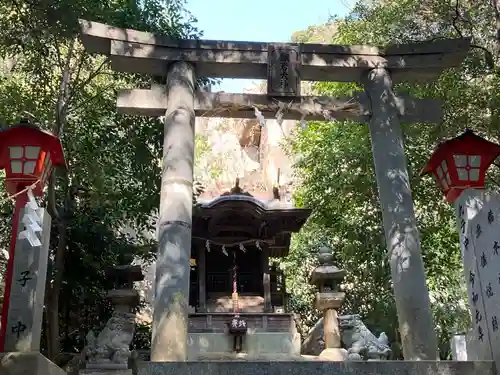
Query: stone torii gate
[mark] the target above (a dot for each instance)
(284, 66)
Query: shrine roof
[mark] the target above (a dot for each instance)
(237, 198)
(237, 217)
(259, 204)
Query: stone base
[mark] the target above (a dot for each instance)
(96, 371)
(318, 368)
(333, 354)
(106, 366)
(27, 363)
(254, 344)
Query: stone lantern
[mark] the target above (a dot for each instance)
(109, 351)
(327, 277)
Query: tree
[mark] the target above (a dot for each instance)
(335, 169)
(113, 159)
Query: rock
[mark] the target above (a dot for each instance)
(333, 355)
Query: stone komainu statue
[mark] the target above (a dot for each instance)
(112, 344)
(360, 342)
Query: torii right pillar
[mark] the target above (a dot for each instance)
(416, 324)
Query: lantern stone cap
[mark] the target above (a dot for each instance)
(124, 296)
(326, 271)
(329, 300)
(23, 131)
(126, 272)
(325, 255)
(467, 143)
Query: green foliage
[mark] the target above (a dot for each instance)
(83, 294)
(113, 176)
(315, 34)
(142, 337)
(335, 168)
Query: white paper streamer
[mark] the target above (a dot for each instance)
(303, 122)
(31, 221)
(242, 248)
(327, 115)
(279, 116)
(260, 117)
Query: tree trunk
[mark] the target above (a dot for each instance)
(54, 290)
(496, 8)
(497, 24)
(53, 305)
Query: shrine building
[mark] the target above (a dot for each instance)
(234, 237)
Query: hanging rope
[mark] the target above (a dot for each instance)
(236, 306)
(257, 243)
(13, 196)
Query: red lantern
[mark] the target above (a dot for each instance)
(461, 163)
(28, 155)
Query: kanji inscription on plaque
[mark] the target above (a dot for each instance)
(24, 321)
(479, 231)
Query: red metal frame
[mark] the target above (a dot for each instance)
(467, 144)
(21, 201)
(23, 135)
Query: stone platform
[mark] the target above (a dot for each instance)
(244, 367)
(29, 363)
(267, 333)
(105, 372)
(254, 344)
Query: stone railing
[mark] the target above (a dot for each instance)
(258, 322)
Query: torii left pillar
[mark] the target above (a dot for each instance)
(170, 315)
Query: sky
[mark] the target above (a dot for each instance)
(260, 21)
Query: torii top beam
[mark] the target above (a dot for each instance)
(142, 52)
(284, 65)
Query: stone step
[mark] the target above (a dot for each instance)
(268, 345)
(27, 363)
(245, 357)
(308, 367)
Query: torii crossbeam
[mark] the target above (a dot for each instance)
(284, 66)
